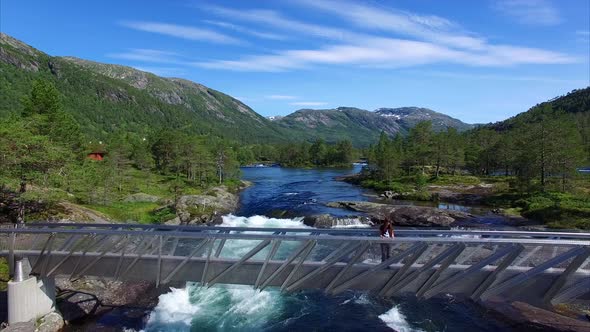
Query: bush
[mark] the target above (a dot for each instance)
(557, 210)
(421, 181)
(163, 215)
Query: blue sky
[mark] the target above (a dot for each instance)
(479, 61)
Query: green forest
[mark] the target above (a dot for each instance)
(44, 156)
(44, 153)
(533, 159)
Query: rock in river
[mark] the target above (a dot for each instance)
(405, 215)
(328, 221)
(209, 207)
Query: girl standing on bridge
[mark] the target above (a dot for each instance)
(386, 231)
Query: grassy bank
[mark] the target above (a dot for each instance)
(140, 212)
(569, 210)
(555, 209)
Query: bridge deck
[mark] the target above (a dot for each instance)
(538, 266)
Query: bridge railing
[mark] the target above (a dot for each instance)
(422, 261)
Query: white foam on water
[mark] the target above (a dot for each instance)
(216, 308)
(352, 226)
(262, 222)
(222, 307)
(174, 307)
(397, 321)
(362, 299)
(236, 308)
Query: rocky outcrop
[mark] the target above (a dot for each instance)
(389, 194)
(89, 297)
(52, 322)
(77, 213)
(204, 208)
(25, 58)
(207, 208)
(405, 215)
(424, 216)
(526, 317)
(329, 221)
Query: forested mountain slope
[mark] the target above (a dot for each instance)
(575, 103)
(575, 106)
(104, 98)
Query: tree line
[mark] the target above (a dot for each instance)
(300, 154)
(542, 151)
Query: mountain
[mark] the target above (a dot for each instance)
(105, 97)
(576, 104)
(408, 117)
(361, 126)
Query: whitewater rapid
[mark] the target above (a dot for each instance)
(241, 308)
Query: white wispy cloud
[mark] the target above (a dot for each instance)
(182, 31)
(426, 27)
(308, 103)
(241, 29)
(391, 53)
(434, 40)
(277, 20)
(147, 55)
(280, 97)
(583, 33)
(533, 12)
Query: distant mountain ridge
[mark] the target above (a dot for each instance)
(105, 97)
(408, 117)
(361, 126)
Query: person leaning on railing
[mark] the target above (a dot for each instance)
(386, 231)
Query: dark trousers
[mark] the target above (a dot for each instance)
(385, 251)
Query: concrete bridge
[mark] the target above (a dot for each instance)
(537, 267)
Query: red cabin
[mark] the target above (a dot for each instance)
(96, 155)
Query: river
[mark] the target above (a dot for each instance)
(232, 308)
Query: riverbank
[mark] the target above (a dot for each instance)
(89, 303)
(300, 193)
(555, 210)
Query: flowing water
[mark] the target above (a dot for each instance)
(237, 308)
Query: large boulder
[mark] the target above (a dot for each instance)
(421, 216)
(207, 207)
(90, 296)
(526, 317)
(328, 221)
(405, 215)
(319, 221)
(373, 209)
(52, 322)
